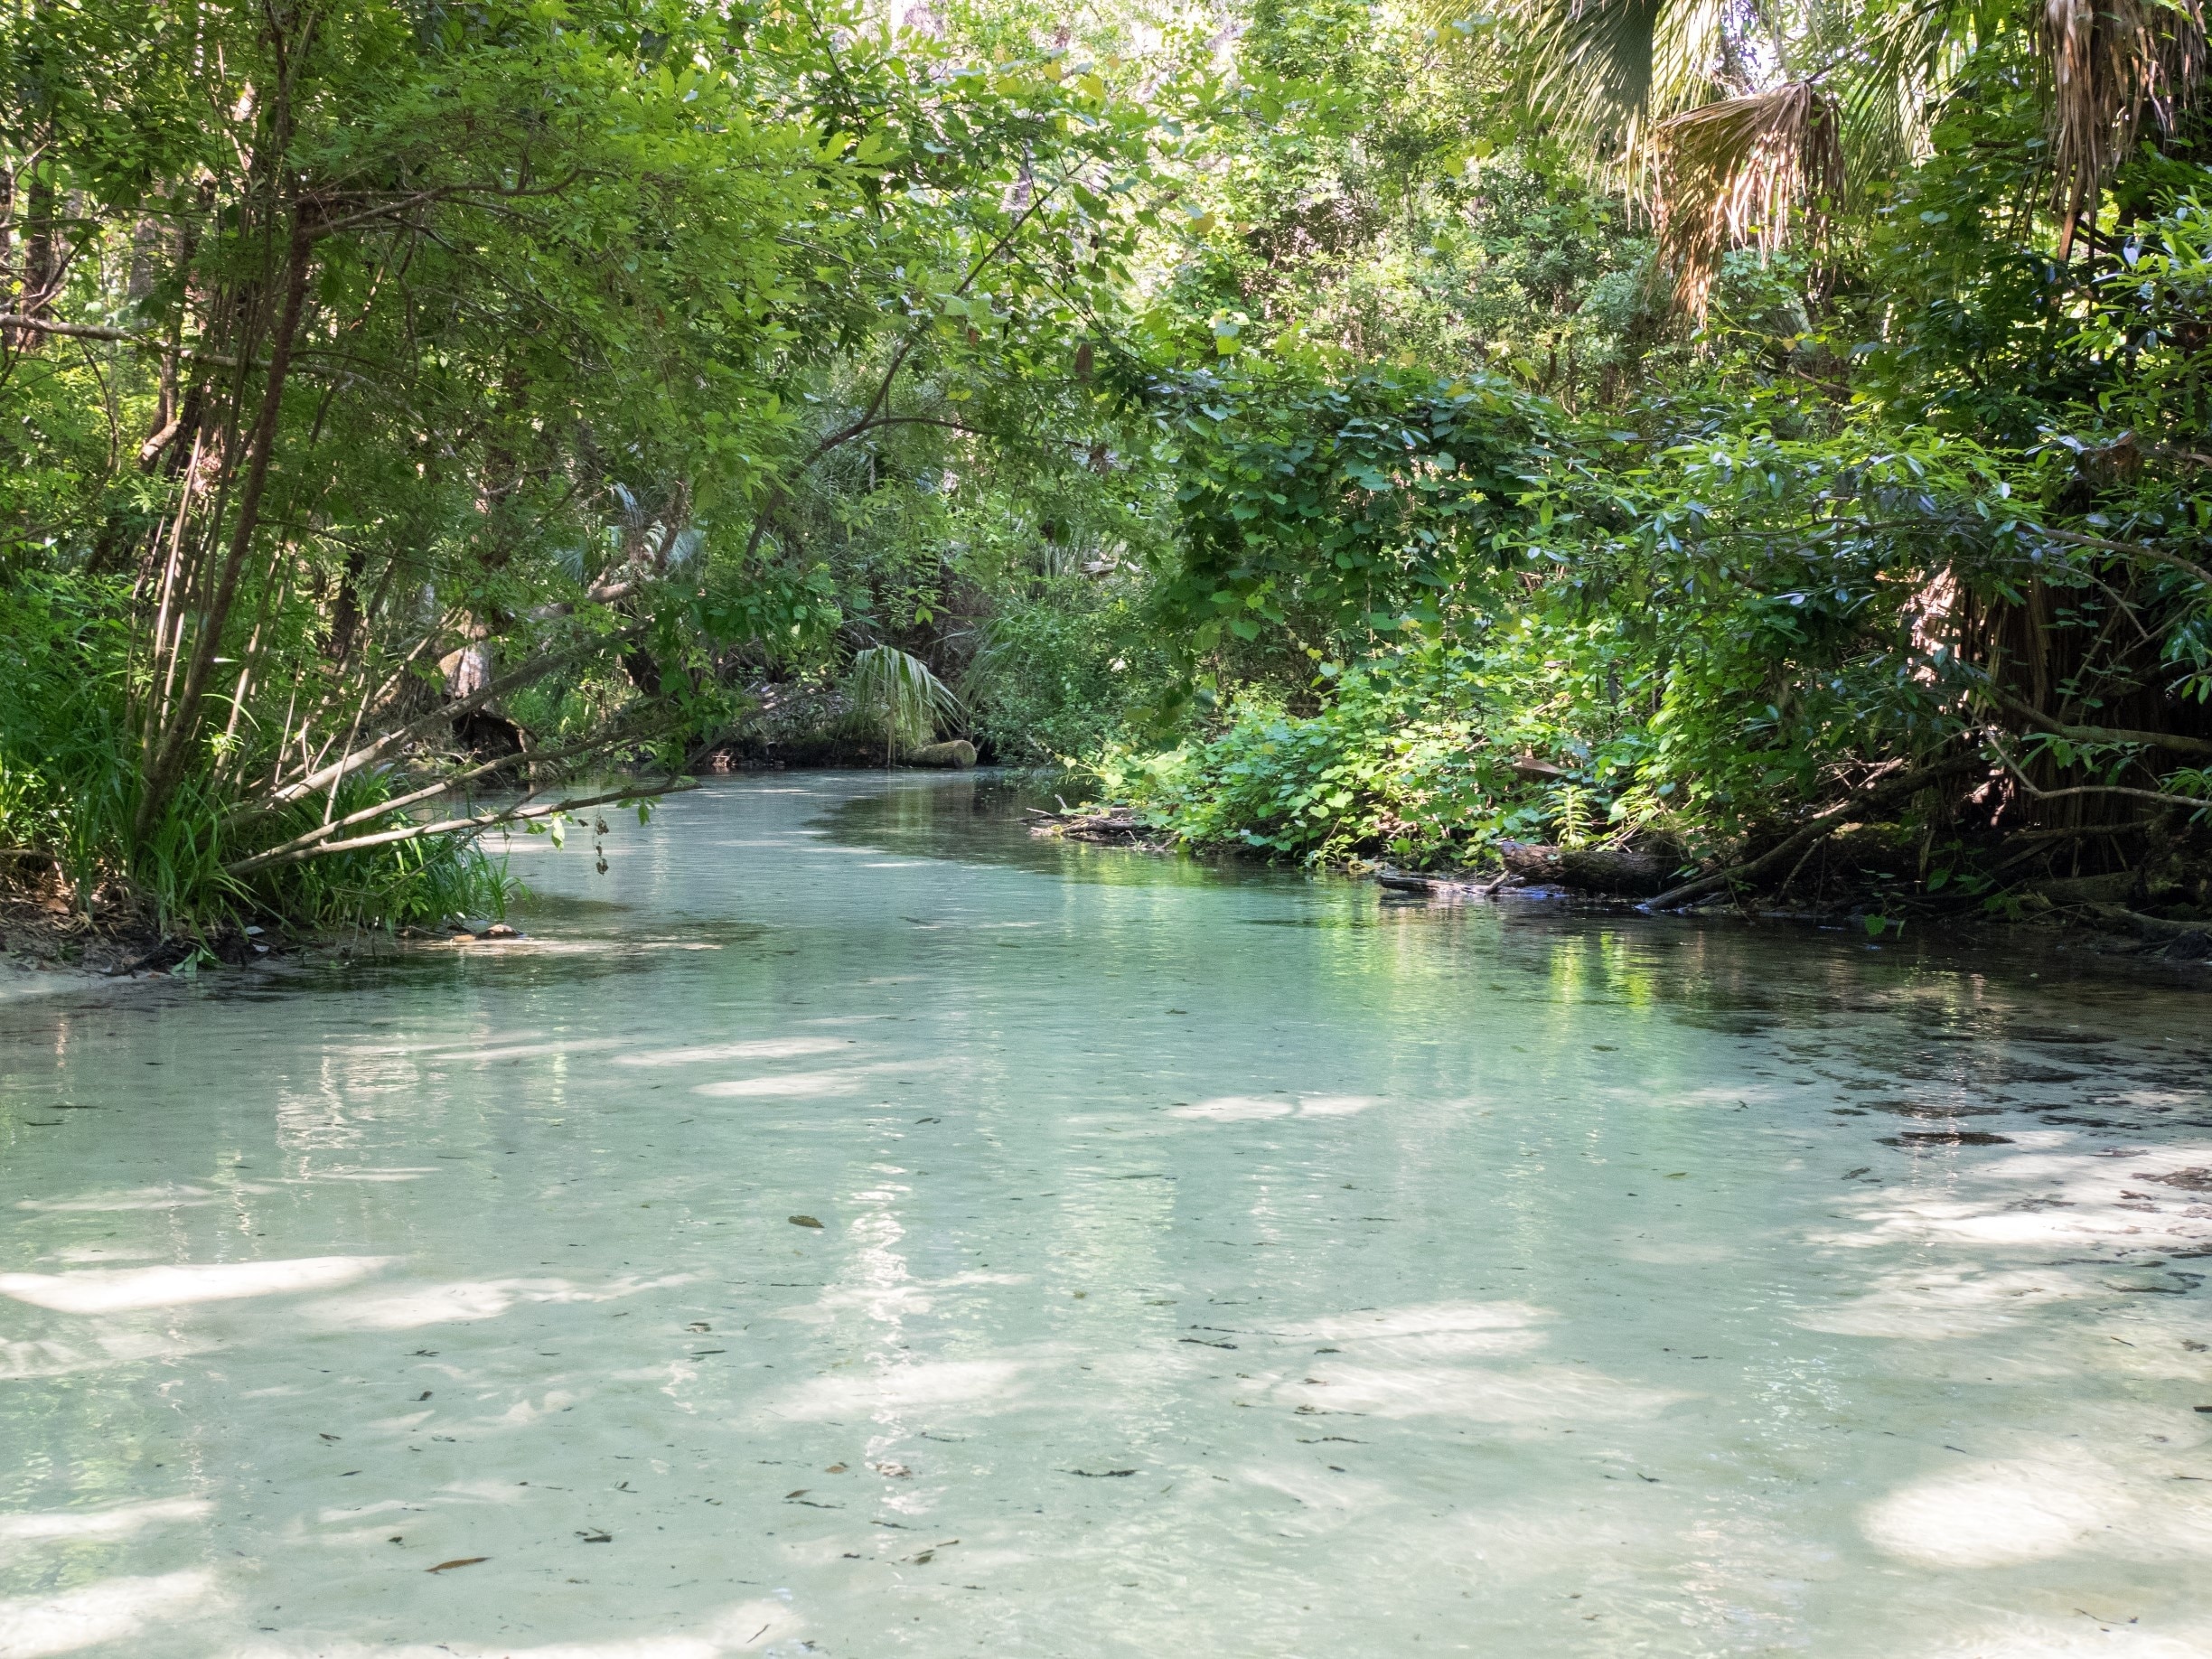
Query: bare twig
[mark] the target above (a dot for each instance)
(2161, 796)
(444, 786)
(529, 673)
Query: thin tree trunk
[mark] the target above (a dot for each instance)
(182, 721)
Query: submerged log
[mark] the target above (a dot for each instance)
(2110, 889)
(1108, 826)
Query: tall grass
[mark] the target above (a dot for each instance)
(70, 790)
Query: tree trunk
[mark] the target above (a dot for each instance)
(180, 727)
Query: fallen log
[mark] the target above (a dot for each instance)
(1108, 826)
(1626, 871)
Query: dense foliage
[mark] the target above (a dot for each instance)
(1348, 430)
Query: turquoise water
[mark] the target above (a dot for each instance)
(1220, 1261)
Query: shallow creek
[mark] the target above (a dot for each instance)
(1221, 1262)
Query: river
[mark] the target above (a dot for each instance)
(849, 1227)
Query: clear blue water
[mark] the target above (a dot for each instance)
(1227, 1261)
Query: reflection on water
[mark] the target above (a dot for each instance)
(853, 1227)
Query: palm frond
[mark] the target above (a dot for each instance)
(2111, 63)
(1904, 59)
(898, 697)
(1603, 73)
(1733, 174)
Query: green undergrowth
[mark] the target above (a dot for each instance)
(1425, 757)
(68, 795)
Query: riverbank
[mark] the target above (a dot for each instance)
(2094, 915)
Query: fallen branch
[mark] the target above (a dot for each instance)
(444, 786)
(473, 826)
(2148, 927)
(444, 713)
(1897, 783)
(2103, 734)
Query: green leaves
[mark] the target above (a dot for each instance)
(1349, 508)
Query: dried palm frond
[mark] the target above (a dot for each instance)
(1732, 174)
(2111, 60)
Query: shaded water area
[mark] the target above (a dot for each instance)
(1228, 1261)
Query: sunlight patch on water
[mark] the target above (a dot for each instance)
(762, 1048)
(143, 1198)
(2083, 1636)
(117, 1520)
(1995, 1513)
(1936, 1304)
(392, 1173)
(538, 1051)
(1234, 1109)
(971, 1385)
(1336, 1105)
(1437, 1331)
(743, 1628)
(1239, 1108)
(25, 1359)
(1472, 1394)
(464, 1301)
(120, 1289)
(111, 1610)
(792, 1086)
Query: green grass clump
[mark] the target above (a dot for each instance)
(70, 790)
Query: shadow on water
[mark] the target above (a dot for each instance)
(984, 818)
(1726, 974)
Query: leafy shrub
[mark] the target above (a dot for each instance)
(1425, 757)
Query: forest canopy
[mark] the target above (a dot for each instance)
(1766, 440)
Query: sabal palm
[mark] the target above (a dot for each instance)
(1736, 115)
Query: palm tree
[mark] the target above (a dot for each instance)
(1733, 118)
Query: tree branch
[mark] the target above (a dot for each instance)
(128, 336)
(473, 826)
(527, 674)
(444, 786)
(2160, 796)
(2102, 734)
